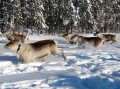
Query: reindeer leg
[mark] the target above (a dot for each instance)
(77, 43)
(57, 51)
(61, 52)
(113, 41)
(24, 61)
(64, 56)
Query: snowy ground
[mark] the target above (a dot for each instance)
(90, 68)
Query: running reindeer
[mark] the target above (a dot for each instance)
(107, 37)
(15, 37)
(91, 41)
(72, 39)
(31, 51)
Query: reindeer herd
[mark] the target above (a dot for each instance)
(39, 50)
(96, 41)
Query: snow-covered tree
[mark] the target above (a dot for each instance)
(34, 15)
(59, 16)
(23, 13)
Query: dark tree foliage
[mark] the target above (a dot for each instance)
(60, 16)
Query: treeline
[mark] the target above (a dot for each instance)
(60, 16)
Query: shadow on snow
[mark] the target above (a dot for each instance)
(13, 59)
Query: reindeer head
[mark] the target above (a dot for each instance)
(97, 33)
(12, 45)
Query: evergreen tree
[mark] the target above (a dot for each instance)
(60, 16)
(34, 17)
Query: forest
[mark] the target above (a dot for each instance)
(60, 16)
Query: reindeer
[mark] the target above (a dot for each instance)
(18, 37)
(67, 37)
(107, 37)
(72, 39)
(93, 41)
(31, 51)
(15, 37)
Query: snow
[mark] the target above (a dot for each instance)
(89, 68)
(72, 6)
(101, 1)
(88, 1)
(65, 22)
